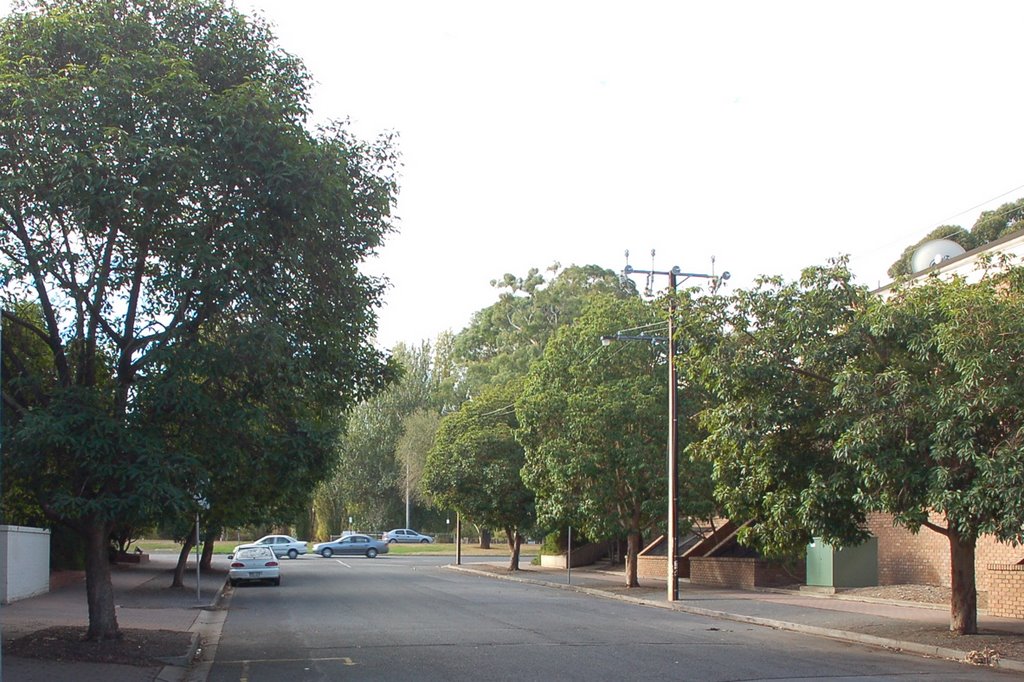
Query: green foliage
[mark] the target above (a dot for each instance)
(938, 406)
(189, 252)
(369, 478)
(504, 338)
(594, 424)
(474, 466)
(773, 418)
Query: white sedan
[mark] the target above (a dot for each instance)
(254, 563)
(283, 545)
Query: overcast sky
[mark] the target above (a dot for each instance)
(769, 136)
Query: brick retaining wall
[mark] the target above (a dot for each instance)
(923, 559)
(1006, 590)
(741, 572)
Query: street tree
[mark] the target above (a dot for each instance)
(158, 178)
(767, 359)
(475, 466)
(832, 403)
(593, 420)
(937, 436)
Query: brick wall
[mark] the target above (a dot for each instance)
(741, 572)
(654, 566)
(924, 558)
(1006, 590)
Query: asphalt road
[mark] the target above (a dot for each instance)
(408, 618)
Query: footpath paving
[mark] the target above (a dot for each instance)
(146, 602)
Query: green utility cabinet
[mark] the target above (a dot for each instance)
(829, 566)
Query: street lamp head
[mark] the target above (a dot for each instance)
(607, 340)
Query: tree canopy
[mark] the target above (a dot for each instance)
(594, 424)
(833, 403)
(938, 408)
(475, 463)
(504, 338)
(772, 418)
(162, 199)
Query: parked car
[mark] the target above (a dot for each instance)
(254, 563)
(354, 544)
(283, 545)
(405, 535)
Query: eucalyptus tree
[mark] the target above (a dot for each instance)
(157, 179)
(505, 337)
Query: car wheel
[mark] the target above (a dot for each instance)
(328, 553)
(277, 581)
(392, 541)
(293, 553)
(424, 541)
(233, 583)
(370, 553)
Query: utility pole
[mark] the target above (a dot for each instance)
(672, 535)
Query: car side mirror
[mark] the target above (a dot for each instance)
(231, 556)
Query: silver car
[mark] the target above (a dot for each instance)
(254, 563)
(354, 544)
(405, 535)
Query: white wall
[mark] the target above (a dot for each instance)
(24, 562)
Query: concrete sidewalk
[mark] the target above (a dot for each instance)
(902, 626)
(144, 601)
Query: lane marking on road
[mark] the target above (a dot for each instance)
(343, 563)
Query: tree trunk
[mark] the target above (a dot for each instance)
(206, 561)
(515, 542)
(632, 552)
(186, 548)
(98, 588)
(963, 616)
(485, 538)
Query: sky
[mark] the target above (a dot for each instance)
(749, 137)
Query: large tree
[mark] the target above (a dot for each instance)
(833, 403)
(594, 424)
(505, 337)
(157, 178)
(938, 408)
(767, 359)
(474, 466)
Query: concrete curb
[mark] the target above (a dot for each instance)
(207, 627)
(844, 635)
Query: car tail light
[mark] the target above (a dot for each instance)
(271, 563)
(237, 564)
